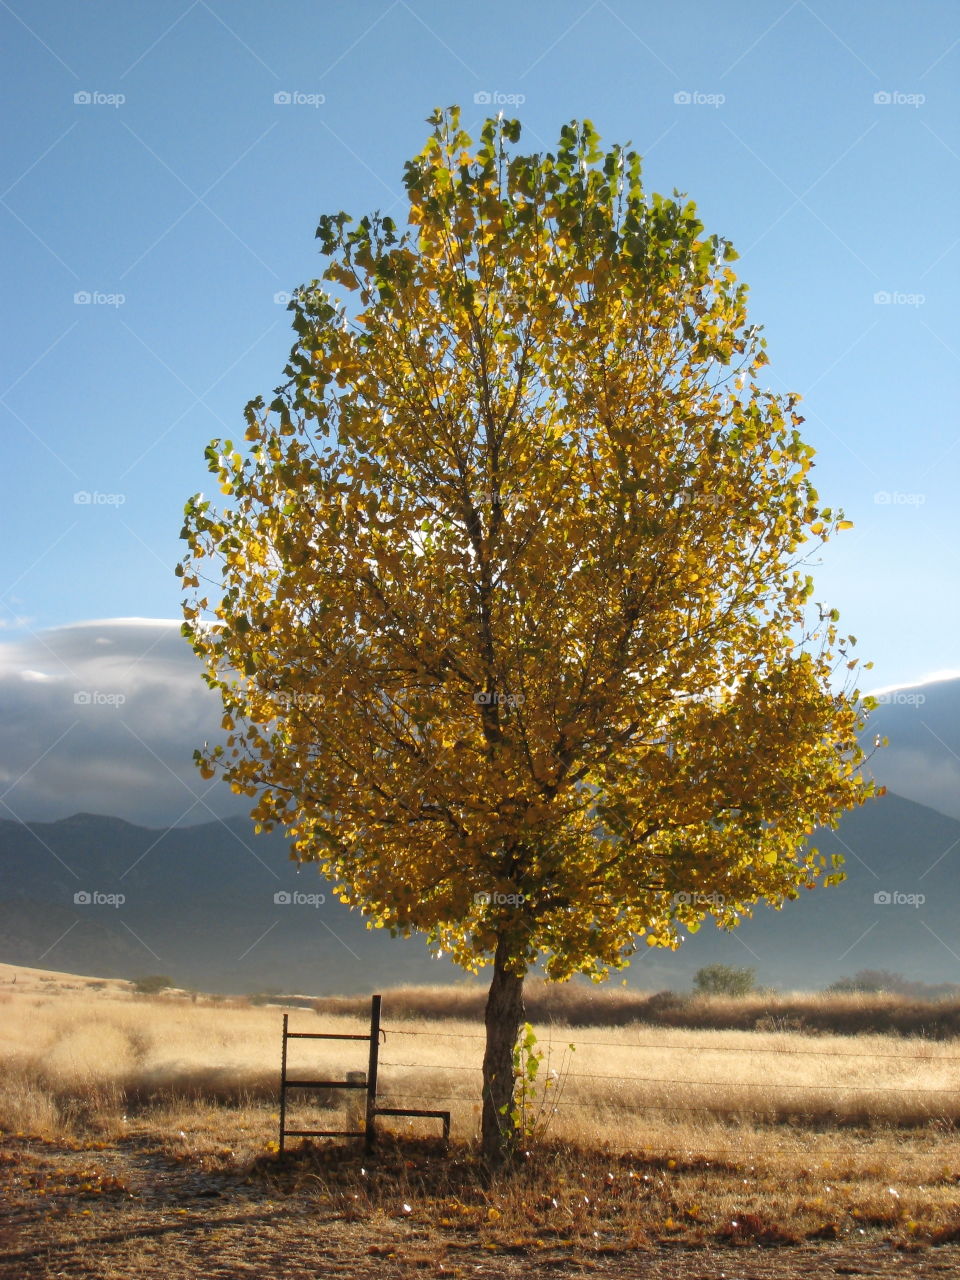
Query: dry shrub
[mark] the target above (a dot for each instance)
(26, 1105)
(580, 1005)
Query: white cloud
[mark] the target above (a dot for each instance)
(935, 677)
(103, 717)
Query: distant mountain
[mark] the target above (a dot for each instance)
(922, 761)
(896, 853)
(199, 905)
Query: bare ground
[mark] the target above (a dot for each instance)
(131, 1210)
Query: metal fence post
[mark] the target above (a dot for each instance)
(283, 1085)
(370, 1136)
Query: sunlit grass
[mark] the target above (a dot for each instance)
(788, 1135)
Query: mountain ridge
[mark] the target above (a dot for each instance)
(198, 903)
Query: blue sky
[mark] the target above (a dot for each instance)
(824, 143)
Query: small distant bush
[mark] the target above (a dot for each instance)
(723, 980)
(152, 984)
(664, 1003)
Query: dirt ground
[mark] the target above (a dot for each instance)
(129, 1210)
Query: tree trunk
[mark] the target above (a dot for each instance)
(504, 1014)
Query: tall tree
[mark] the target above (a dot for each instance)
(513, 630)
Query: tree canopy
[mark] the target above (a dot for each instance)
(512, 621)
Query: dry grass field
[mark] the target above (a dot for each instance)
(138, 1137)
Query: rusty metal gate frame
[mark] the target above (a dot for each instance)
(368, 1133)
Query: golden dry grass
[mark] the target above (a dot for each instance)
(658, 1134)
(73, 1055)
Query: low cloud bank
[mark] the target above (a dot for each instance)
(103, 717)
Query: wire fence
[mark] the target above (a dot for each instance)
(719, 1048)
(770, 1095)
(835, 1094)
(720, 1084)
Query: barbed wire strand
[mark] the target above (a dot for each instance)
(633, 1109)
(712, 1084)
(719, 1048)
